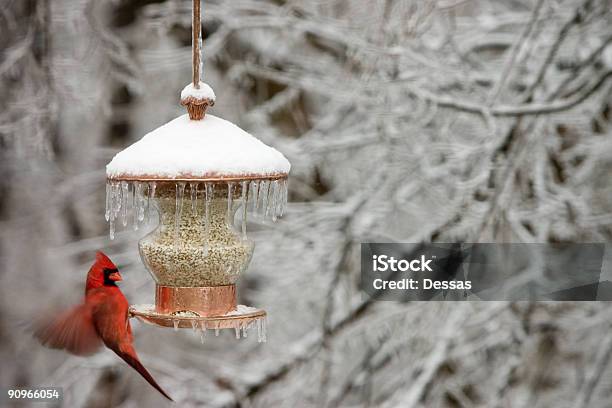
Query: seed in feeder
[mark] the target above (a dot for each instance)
(184, 252)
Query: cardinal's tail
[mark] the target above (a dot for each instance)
(128, 354)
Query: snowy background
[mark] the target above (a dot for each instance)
(404, 120)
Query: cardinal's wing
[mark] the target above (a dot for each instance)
(72, 330)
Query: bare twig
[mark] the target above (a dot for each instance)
(604, 353)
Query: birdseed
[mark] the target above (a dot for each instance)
(196, 254)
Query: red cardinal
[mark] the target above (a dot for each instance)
(102, 318)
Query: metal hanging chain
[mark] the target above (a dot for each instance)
(196, 42)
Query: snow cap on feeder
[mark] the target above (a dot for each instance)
(211, 149)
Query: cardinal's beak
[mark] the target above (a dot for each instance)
(115, 276)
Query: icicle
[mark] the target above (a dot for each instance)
(176, 324)
(151, 196)
(244, 330)
(146, 204)
(136, 205)
(203, 333)
(281, 198)
(261, 330)
(125, 190)
(144, 197)
(178, 210)
(141, 203)
(194, 325)
(284, 199)
(217, 330)
(264, 335)
(254, 196)
(244, 209)
(230, 188)
(275, 191)
(117, 199)
(208, 196)
(153, 186)
(111, 201)
(265, 187)
(193, 189)
(132, 202)
(115, 204)
(237, 329)
(109, 196)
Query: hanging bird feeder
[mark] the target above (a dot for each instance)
(197, 172)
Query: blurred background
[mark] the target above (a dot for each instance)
(404, 120)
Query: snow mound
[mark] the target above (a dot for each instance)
(241, 310)
(204, 92)
(187, 148)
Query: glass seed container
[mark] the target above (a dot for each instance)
(197, 243)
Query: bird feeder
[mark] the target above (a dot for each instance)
(198, 173)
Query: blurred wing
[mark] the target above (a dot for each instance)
(72, 330)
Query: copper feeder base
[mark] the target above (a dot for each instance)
(204, 308)
(203, 301)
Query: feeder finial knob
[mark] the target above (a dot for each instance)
(197, 99)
